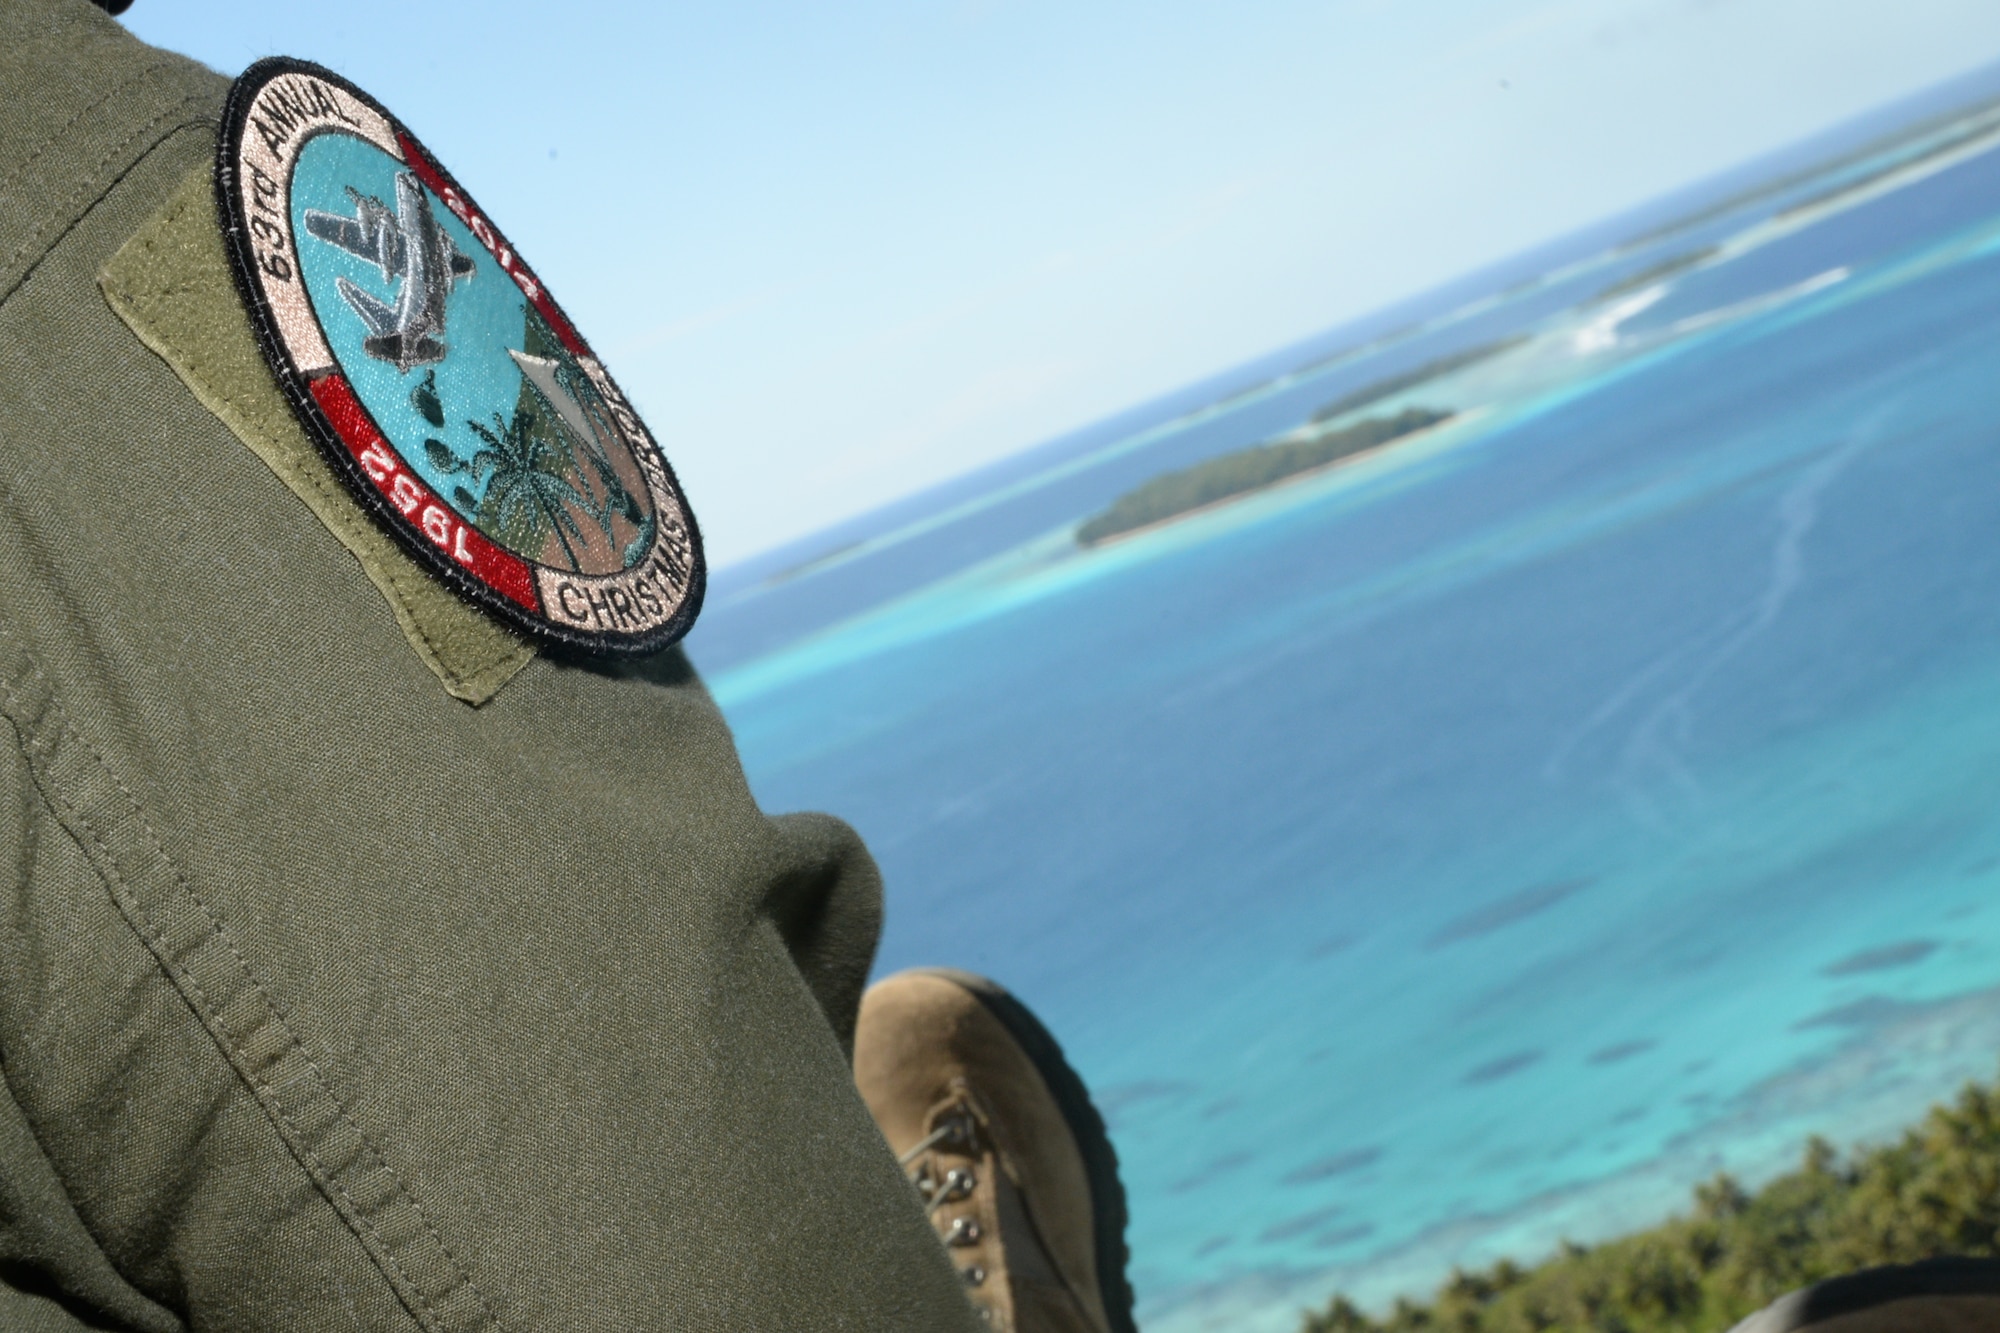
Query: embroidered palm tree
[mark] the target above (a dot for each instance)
(527, 471)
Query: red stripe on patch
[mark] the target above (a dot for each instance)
(502, 571)
(496, 245)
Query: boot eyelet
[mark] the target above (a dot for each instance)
(974, 1276)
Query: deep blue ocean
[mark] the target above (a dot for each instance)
(1480, 843)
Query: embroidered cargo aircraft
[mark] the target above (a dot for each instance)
(409, 245)
(452, 394)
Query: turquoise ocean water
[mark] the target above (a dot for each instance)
(1480, 843)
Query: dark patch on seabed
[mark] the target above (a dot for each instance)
(1339, 1236)
(1499, 915)
(1327, 948)
(1624, 1050)
(1221, 1166)
(1300, 1225)
(1882, 959)
(1124, 1096)
(1495, 1070)
(1869, 1011)
(1340, 1164)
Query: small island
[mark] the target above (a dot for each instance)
(1672, 266)
(1435, 368)
(1230, 475)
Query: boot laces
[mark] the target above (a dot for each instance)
(957, 1132)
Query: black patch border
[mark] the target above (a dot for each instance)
(277, 354)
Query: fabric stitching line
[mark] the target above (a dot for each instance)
(171, 109)
(96, 840)
(102, 189)
(44, 745)
(90, 177)
(59, 134)
(398, 578)
(85, 832)
(8, 1090)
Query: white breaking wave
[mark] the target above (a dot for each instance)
(1601, 334)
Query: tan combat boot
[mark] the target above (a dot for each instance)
(1935, 1296)
(1007, 1152)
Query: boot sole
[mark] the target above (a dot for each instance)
(1086, 1126)
(1853, 1294)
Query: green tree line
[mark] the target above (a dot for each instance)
(1245, 470)
(1664, 269)
(1376, 390)
(1934, 1192)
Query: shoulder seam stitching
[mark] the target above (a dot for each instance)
(68, 214)
(61, 132)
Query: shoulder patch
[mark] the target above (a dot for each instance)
(171, 284)
(448, 390)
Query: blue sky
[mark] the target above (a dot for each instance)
(837, 253)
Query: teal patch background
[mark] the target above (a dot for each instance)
(484, 315)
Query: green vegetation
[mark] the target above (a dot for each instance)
(811, 564)
(1653, 273)
(1902, 134)
(1246, 470)
(1409, 379)
(1398, 334)
(1855, 184)
(1936, 1192)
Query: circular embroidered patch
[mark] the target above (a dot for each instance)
(448, 389)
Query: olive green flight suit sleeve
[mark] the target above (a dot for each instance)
(329, 1000)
